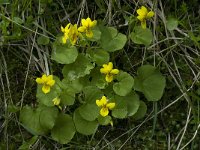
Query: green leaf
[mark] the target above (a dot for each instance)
(89, 112)
(30, 119)
(43, 40)
(28, 144)
(47, 98)
(141, 111)
(73, 85)
(120, 110)
(67, 97)
(81, 67)
(153, 87)
(150, 82)
(64, 129)
(48, 116)
(124, 84)
(172, 23)
(141, 36)
(83, 126)
(104, 120)
(133, 103)
(92, 93)
(12, 108)
(101, 57)
(96, 34)
(97, 78)
(63, 54)
(111, 40)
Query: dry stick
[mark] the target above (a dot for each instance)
(110, 12)
(26, 27)
(186, 124)
(82, 6)
(191, 138)
(29, 62)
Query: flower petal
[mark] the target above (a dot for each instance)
(93, 24)
(104, 71)
(109, 78)
(44, 77)
(110, 105)
(114, 71)
(99, 103)
(104, 111)
(62, 29)
(39, 81)
(150, 14)
(51, 82)
(142, 11)
(46, 89)
(110, 66)
(89, 34)
(56, 101)
(84, 22)
(104, 100)
(64, 40)
(141, 18)
(82, 29)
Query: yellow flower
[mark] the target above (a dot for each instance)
(56, 101)
(66, 32)
(143, 14)
(105, 106)
(109, 71)
(87, 25)
(47, 82)
(71, 33)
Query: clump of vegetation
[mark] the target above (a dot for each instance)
(99, 74)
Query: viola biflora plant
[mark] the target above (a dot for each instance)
(94, 91)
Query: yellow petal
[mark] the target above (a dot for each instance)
(142, 12)
(50, 77)
(110, 105)
(39, 81)
(150, 14)
(110, 66)
(109, 78)
(93, 24)
(56, 101)
(104, 112)
(143, 24)
(62, 29)
(67, 27)
(82, 29)
(104, 70)
(64, 40)
(51, 82)
(89, 34)
(46, 89)
(104, 100)
(98, 102)
(44, 77)
(114, 71)
(141, 18)
(84, 22)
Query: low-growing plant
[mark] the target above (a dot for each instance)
(92, 90)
